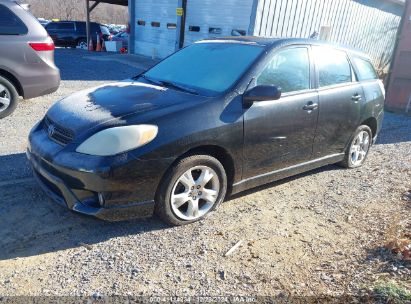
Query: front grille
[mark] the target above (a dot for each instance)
(57, 133)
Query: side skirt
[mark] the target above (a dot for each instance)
(265, 178)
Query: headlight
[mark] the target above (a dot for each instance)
(118, 139)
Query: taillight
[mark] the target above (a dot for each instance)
(42, 46)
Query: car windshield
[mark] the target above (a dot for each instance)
(104, 30)
(207, 68)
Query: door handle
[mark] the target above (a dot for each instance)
(356, 97)
(310, 106)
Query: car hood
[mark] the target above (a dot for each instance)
(115, 104)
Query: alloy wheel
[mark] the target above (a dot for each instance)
(195, 193)
(83, 45)
(359, 148)
(5, 98)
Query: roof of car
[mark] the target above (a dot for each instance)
(271, 42)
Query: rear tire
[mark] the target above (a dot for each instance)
(82, 44)
(357, 150)
(191, 189)
(9, 97)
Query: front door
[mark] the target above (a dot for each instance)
(280, 133)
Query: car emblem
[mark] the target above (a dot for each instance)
(51, 130)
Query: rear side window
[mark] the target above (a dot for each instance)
(66, 26)
(289, 69)
(81, 26)
(10, 24)
(332, 65)
(51, 26)
(365, 69)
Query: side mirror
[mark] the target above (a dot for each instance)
(262, 93)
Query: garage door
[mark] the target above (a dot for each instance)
(213, 18)
(156, 23)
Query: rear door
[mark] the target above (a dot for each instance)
(340, 101)
(62, 33)
(280, 133)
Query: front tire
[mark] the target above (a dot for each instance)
(191, 189)
(358, 148)
(8, 97)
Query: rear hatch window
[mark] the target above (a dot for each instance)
(10, 24)
(365, 69)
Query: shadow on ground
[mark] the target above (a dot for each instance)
(80, 65)
(31, 224)
(396, 129)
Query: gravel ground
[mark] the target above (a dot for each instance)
(319, 233)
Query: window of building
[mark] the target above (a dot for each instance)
(332, 65)
(155, 24)
(171, 26)
(141, 22)
(10, 24)
(215, 30)
(289, 69)
(237, 32)
(365, 69)
(194, 28)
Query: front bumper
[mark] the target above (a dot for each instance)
(62, 194)
(113, 189)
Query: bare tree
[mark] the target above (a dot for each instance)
(75, 10)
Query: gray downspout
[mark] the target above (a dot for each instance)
(253, 15)
(132, 23)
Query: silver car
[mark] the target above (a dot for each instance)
(27, 66)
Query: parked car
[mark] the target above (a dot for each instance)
(74, 33)
(43, 21)
(27, 66)
(219, 116)
(123, 37)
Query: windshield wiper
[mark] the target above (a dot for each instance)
(178, 86)
(151, 80)
(166, 83)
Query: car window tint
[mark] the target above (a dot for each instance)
(332, 65)
(365, 69)
(51, 26)
(289, 69)
(10, 24)
(66, 26)
(81, 26)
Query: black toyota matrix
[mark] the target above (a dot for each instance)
(220, 116)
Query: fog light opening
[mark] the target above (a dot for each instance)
(100, 198)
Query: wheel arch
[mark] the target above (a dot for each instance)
(10, 77)
(218, 152)
(371, 122)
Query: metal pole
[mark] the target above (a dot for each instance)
(88, 21)
(132, 26)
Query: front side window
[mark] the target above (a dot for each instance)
(10, 24)
(289, 69)
(210, 68)
(365, 69)
(332, 65)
